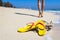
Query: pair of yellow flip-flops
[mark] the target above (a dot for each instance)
(38, 25)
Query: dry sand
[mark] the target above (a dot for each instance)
(11, 19)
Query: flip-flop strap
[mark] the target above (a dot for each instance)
(41, 24)
(36, 24)
(32, 24)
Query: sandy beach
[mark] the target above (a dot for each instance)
(11, 19)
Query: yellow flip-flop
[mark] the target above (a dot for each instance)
(26, 28)
(41, 28)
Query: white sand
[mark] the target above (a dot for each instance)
(10, 22)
